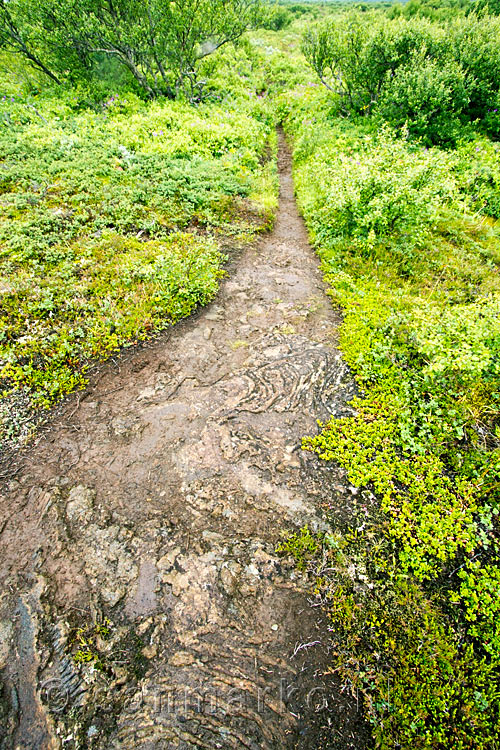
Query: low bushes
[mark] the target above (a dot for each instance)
(410, 254)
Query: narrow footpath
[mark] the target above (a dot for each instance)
(142, 602)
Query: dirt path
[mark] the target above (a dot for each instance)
(157, 502)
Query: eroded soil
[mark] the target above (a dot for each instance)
(142, 603)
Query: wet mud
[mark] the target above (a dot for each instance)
(142, 601)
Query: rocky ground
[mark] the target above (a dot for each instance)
(142, 602)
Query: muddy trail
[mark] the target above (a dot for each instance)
(142, 602)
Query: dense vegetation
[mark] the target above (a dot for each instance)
(416, 273)
(116, 215)
(409, 245)
(159, 43)
(435, 77)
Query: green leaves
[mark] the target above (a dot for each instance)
(433, 76)
(462, 341)
(382, 191)
(429, 96)
(159, 43)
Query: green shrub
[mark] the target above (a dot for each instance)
(354, 54)
(478, 174)
(275, 18)
(435, 11)
(435, 76)
(381, 192)
(475, 45)
(429, 97)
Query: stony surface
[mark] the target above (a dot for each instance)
(142, 602)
